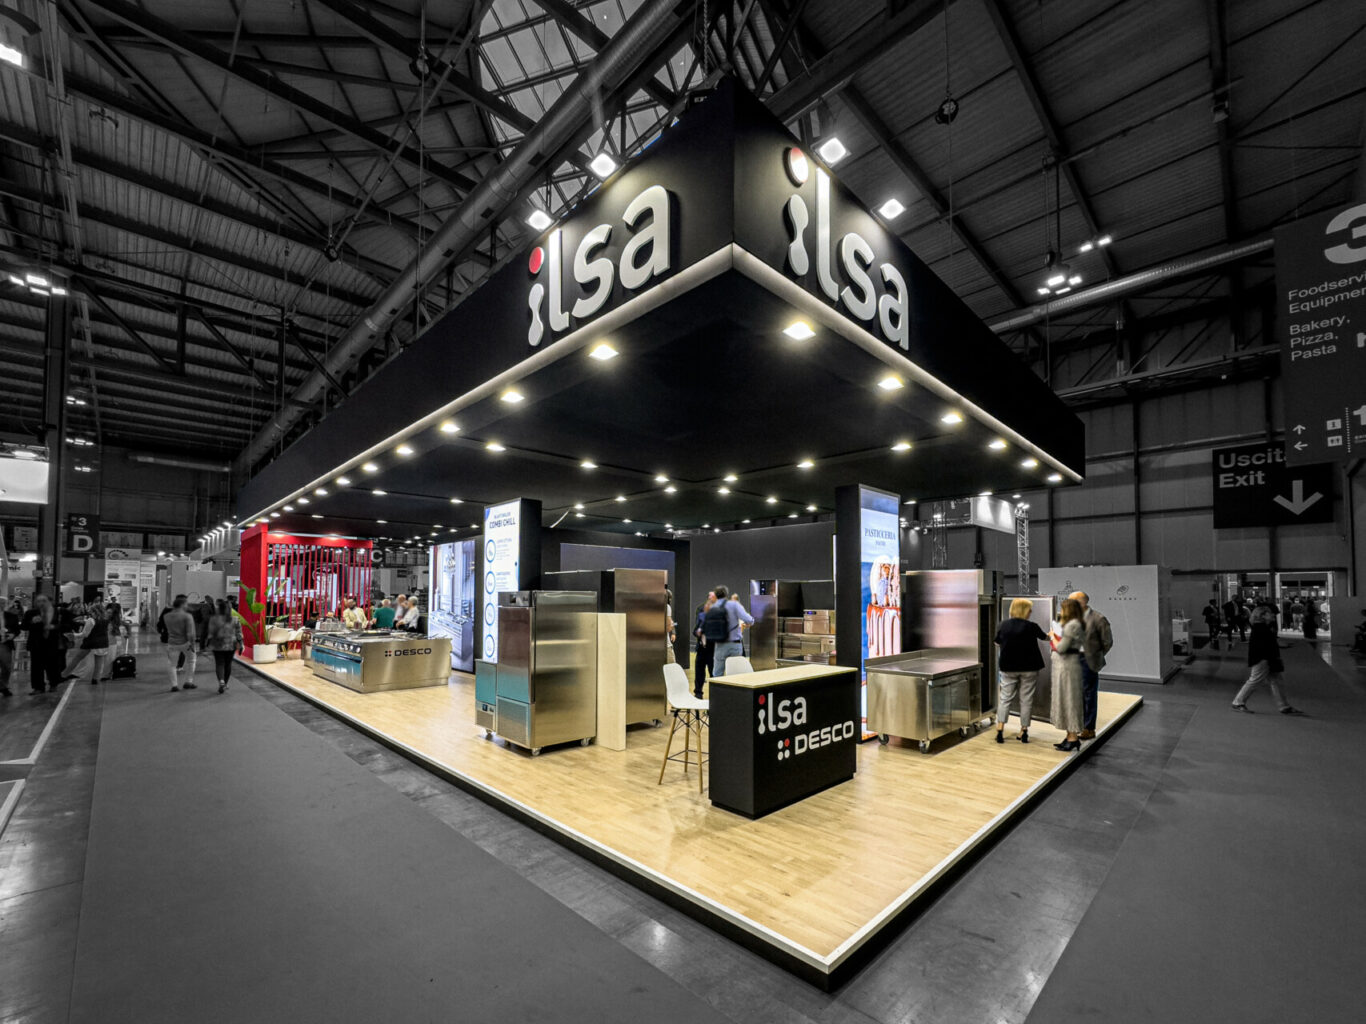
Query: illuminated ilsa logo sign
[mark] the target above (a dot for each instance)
(860, 296)
(779, 715)
(644, 256)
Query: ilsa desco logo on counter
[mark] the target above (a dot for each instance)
(779, 715)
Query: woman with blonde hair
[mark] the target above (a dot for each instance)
(1020, 663)
(1067, 698)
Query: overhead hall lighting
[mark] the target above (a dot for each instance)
(404, 449)
(771, 500)
(951, 417)
(588, 464)
(996, 445)
(494, 446)
(1074, 280)
(11, 56)
(799, 330)
(1055, 478)
(723, 490)
(1029, 463)
(343, 481)
(1104, 240)
(457, 501)
(304, 501)
(1086, 247)
(320, 492)
(811, 508)
(289, 508)
(370, 467)
(378, 493)
(1055, 280)
(891, 382)
(731, 478)
(603, 352)
(891, 209)
(902, 446)
(805, 464)
(512, 397)
(671, 489)
(602, 165)
(621, 497)
(449, 427)
(832, 150)
(539, 220)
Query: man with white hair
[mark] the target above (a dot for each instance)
(1096, 645)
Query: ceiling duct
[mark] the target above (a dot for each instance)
(1142, 281)
(644, 32)
(158, 460)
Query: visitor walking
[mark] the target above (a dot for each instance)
(702, 659)
(44, 645)
(724, 624)
(225, 640)
(1264, 658)
(180, 644)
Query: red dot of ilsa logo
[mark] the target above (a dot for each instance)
(761, 700)
(537, 258)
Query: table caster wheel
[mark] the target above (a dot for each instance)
(924, 746)
(963, 731)
(535, 751)
(883, 739)
(488, 734)
(585, 741)
(656, 722)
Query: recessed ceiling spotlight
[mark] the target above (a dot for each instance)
(1086, 247)
(626, 520)
(671, 489)
(289, 508)
(494, 446)
(745, 521)
(1074, 280)
(603, 352)
(1044, 290)
(799, 330)
(343, 481)
(805, 464)
(378, 493)
(792, 515)
(891, 383)
(832, 150)
(316, 516)
(1029, 463)
(902, 446)
(891, 209)
(951, 417)
(578, 515)
(383, 522)
(984, 494)
(578, 505)
(602, 165)
(450, 427)
(639, 534)
(303, 501)
(1104, 240)
(811, 508)
(370, 467)
(1064, 291)
(275, 515)
(910, 501)
(997, 445)
(716, 529)
(668, 526)
(588, 464)
(511, 397)
(404, 449)
(621, 497)
(730, 478)
(771, 500)
(706, 526)
(320, 492)
(723, 490)
(1055, 478)
(1056, 280)
(539, 220)
(457, 501)
(661, 479)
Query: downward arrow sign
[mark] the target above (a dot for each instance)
(1298, 502)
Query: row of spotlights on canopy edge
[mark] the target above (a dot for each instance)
(831, 150)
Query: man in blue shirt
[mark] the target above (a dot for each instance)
(731, 645)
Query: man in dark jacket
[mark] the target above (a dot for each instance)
(1264, 658)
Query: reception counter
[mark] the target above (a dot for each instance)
(780, 735)
(373, 661)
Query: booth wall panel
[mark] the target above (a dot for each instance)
(798, 552)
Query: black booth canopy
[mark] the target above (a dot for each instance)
(704, 383)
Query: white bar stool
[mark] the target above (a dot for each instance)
(687, 711)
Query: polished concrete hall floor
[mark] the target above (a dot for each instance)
(986, 949)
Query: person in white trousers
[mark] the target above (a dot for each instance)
(180, 639)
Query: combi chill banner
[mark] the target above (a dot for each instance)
(502, 527)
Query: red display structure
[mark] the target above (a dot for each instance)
(298, 578)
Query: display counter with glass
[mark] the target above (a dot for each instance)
(780, 735)
(374, 660)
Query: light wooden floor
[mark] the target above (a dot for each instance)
(816, 878)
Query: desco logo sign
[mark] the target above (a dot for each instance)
(775, 716)
(404, 654)
(860, 297)
(645, 255)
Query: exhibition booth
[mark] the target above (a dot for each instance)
(721, 339)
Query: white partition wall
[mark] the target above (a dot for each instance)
(1135, 598)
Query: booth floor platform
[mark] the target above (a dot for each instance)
(810, 886)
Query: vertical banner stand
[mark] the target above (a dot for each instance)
(867, 536)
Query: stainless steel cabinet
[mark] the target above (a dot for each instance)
(546, 687)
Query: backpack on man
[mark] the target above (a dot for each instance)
(716, 623)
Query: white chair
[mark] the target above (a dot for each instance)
(738, 665)
(687, 711)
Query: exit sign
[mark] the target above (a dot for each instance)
(1253, 486)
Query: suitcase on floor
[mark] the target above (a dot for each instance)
(125, 666)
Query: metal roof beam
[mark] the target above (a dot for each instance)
(249, 160)
(851, 55)
(186, 44)
(583, 29)
(232, 349)
(99, 300)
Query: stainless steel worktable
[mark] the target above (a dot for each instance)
(373, 661)
(922, 695)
